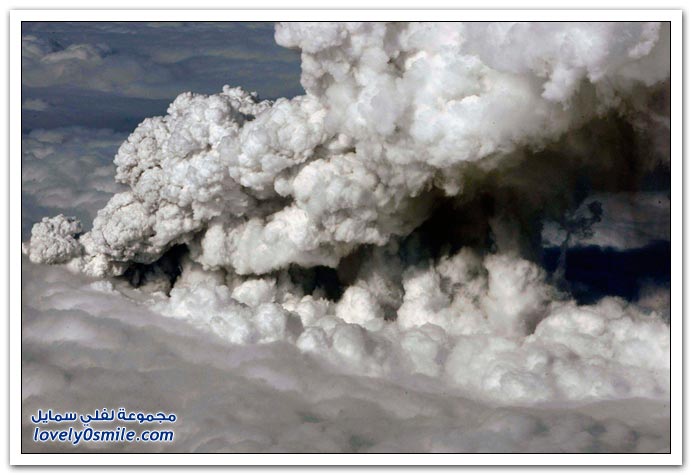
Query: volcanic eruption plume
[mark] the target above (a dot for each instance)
(393, 218)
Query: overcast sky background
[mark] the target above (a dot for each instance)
(113, 75)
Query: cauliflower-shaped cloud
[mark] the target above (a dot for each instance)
(56, 240)
(392, 116)
(497, 122)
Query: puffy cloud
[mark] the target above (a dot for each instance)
(85, 346)
(489, 326)
(565, 54)
(58, 243)
(385, 224)
(358, 159)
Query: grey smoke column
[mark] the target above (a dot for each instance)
(394, 115)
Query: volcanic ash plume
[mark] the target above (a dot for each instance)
(391, 217)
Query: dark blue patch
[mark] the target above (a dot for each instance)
(594, 272)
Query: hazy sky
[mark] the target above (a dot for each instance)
(113, 75)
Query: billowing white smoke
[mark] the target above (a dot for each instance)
(396, 118)
(391, 112)
(491, 326)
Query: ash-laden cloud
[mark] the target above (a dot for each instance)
(390, 221)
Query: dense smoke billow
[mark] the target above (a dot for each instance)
(392, 223)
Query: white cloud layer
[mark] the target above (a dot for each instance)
(87, 66)
(86, 346)
(145, 60)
